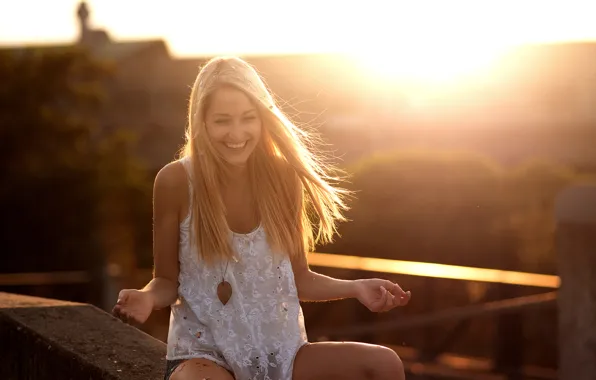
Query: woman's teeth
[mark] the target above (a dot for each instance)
(236, 145)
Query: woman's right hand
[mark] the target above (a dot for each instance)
(133, 306)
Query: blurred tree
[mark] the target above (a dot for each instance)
(58, 170)
(425, 206)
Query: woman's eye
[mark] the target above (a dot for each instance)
(221, 122)
(250, 118)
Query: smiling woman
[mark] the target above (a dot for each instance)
(234, 219)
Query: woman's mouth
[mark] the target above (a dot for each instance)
(239, 145)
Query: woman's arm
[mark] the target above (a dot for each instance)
(169, 189)
(375, 293)
(313, 287)
(135, 306)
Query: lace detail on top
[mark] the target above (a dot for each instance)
(257, 333)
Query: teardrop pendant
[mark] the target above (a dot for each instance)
(224, 292)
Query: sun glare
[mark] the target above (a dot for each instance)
(432, 63)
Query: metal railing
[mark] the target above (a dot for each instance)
(411, 268)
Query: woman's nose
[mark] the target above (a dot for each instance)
(237, 131)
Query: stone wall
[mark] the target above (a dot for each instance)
(50, 339)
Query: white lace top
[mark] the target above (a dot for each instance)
(257, 333)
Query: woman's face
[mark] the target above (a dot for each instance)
(233, 124)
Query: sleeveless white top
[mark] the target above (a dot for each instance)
(257, 334)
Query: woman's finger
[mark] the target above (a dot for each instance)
(380, 304)
(390, 303)
(403, 301)
(395, 289)
(375, 303)
(122, 297)
(384, 294)
(116, 311)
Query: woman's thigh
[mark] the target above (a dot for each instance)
(199, 369)
(347, 360)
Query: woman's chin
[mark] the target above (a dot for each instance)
(239, 159)
(236, 162)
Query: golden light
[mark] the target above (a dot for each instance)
(430, 63)
(455, 42)
(413, 268)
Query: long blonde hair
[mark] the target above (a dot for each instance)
(296, 192)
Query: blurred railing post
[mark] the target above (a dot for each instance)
(509, 333)
(576, 248)
(509, 339)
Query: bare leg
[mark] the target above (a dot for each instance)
(347, 361)
(200, 369)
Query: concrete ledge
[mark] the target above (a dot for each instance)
(51, 339)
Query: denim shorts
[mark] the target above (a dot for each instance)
(171, 366)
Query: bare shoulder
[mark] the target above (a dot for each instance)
(172, 175)
(171, 181)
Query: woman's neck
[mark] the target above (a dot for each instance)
(236, 176)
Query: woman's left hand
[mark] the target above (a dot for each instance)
(380, 295)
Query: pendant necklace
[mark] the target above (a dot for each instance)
(224, 289)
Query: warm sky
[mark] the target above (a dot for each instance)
(199, 27)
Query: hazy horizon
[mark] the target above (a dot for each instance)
(305, 27)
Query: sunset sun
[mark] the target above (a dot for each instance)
(427, 61)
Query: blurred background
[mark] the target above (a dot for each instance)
(458, 122)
